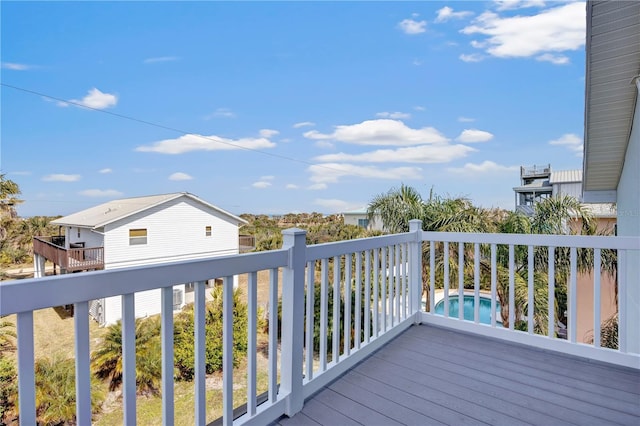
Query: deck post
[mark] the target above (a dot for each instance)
(415, 270)
(38, 266)
(293, 320)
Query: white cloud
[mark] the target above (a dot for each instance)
(447, 13)
(268, 133)
(380, 132)
(517, 4)
(105, 171)
(59, 177)
(471, 57)
(221, 113)
(180, 176)
(161, 59)
(571, 141)
(486, 167)
(474, 135)
(409, 26)
(334, 205)
(394, 115)
(466, 119)
(557, 29)
(16, 67)
(438, 153)
(100, 193)
(332, 172)
(95, 99)
(317, 186)
(191, 142)
(261, 184)
(554, 59)
(324, 144)
(304, 124)
(292, 186)
(267, 178)
(419, 108)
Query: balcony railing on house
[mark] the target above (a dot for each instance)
(378, 287)
(534, 171)
(71, 259)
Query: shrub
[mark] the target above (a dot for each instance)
(56, 391)
(184, 335)
(8, 387)
(106, 360)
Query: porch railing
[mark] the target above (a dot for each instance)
(70, 260)
(369, 290)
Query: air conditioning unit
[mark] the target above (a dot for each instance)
(178, 297)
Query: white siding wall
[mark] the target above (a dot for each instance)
(87, 236)
(147, 303)
(573, 189)
(628, 198)
(352, 219)
(175, 231)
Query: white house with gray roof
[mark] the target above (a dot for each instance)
(135, 232)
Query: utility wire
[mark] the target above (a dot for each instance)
(161, 126)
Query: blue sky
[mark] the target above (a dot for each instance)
(275, 107)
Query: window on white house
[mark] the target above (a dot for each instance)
(137, 237)
(363, 223)
(78, 232)
(207, 231)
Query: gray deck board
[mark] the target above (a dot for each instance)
(430, 375)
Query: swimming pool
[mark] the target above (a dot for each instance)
(485, 309)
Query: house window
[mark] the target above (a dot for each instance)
(207, 231)
(78, 232)
(137, 237)
(364, 223)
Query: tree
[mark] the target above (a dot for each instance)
(106, 360)
(56, 391)
(396, 208)
(184, 335)
(8, 192)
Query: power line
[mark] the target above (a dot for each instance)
(162, 126)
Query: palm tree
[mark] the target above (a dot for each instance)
(106, 360)
(56, 392)
(396, 208)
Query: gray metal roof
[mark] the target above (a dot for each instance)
(613, 60)
(565, 176)
(111, 211)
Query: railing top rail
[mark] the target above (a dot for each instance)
(579, 241)
(40, 293)
(327, 250)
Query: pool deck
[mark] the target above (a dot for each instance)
(430, 375)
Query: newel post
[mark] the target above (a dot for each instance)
(293, 320)
(415, 271)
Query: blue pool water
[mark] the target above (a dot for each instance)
(485, 309)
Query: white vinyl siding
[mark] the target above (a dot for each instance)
(87, 236)
(147, 303)
(175, 232)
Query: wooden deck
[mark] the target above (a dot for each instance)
(430, 375)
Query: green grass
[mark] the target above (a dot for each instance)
(149, 409)
(54, 333)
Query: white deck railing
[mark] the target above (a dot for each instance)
(376, 291)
